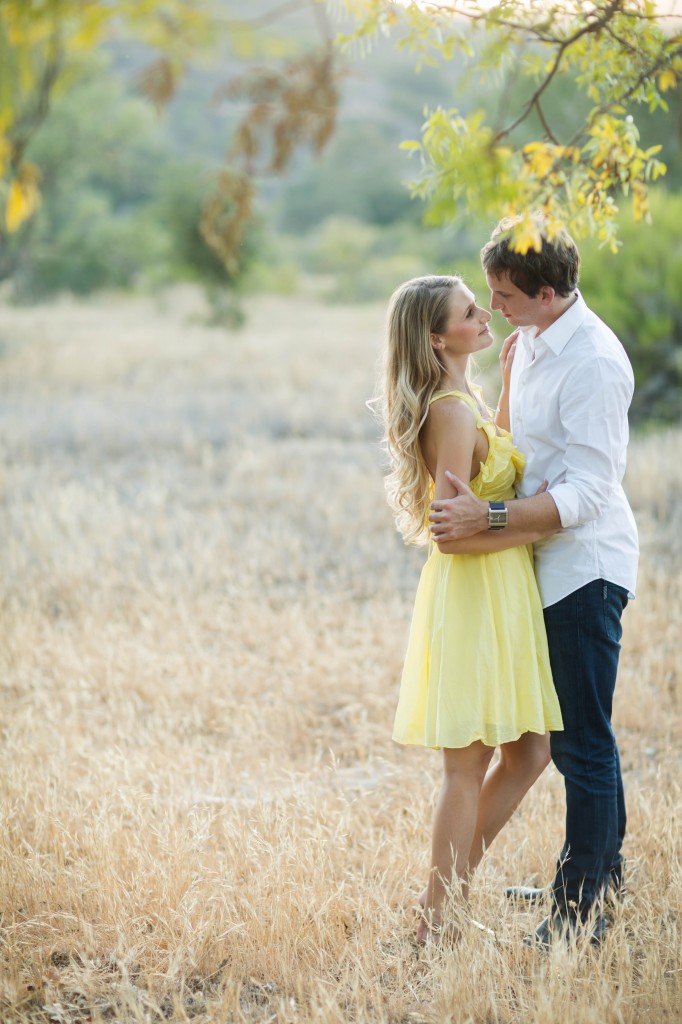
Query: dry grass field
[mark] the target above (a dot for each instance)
(204, 610)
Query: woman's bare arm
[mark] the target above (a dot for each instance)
(490, 540)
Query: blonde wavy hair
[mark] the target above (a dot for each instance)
(411, 373)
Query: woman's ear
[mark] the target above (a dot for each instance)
(436, 342)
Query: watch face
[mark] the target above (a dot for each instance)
(497, 518)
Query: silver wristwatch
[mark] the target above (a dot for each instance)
(498, 515)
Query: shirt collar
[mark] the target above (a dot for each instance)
(558, 334)
(527, 335)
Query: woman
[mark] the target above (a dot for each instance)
(476, 673)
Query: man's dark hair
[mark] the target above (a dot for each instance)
(557, 264)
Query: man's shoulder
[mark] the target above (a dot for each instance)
(595, 340)
(593, 322)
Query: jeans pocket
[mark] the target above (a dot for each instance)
(615, 599)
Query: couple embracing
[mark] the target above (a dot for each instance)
(515, 634)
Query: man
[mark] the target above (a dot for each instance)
(570, 389)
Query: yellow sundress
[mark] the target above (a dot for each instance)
(477, 665)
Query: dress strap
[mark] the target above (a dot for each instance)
(464, 397)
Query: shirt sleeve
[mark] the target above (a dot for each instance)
(593, 408)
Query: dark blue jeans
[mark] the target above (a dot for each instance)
(583, 633)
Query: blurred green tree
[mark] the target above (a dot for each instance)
(119, 207)
(358, 176)
(45, 45)
(638, 294)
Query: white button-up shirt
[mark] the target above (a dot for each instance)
(570, 391)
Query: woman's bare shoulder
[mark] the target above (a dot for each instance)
(451, 412)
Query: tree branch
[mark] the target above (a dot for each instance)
(545, 124)
(533, 101)
(609, 12)
(623, 96)
(28, 124)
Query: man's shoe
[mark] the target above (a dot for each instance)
(525, 894)
(530, 895)
(555, 931)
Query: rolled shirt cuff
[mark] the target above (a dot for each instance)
(567, 501)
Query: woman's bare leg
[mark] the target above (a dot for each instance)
(505, 785)
(454, 827)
